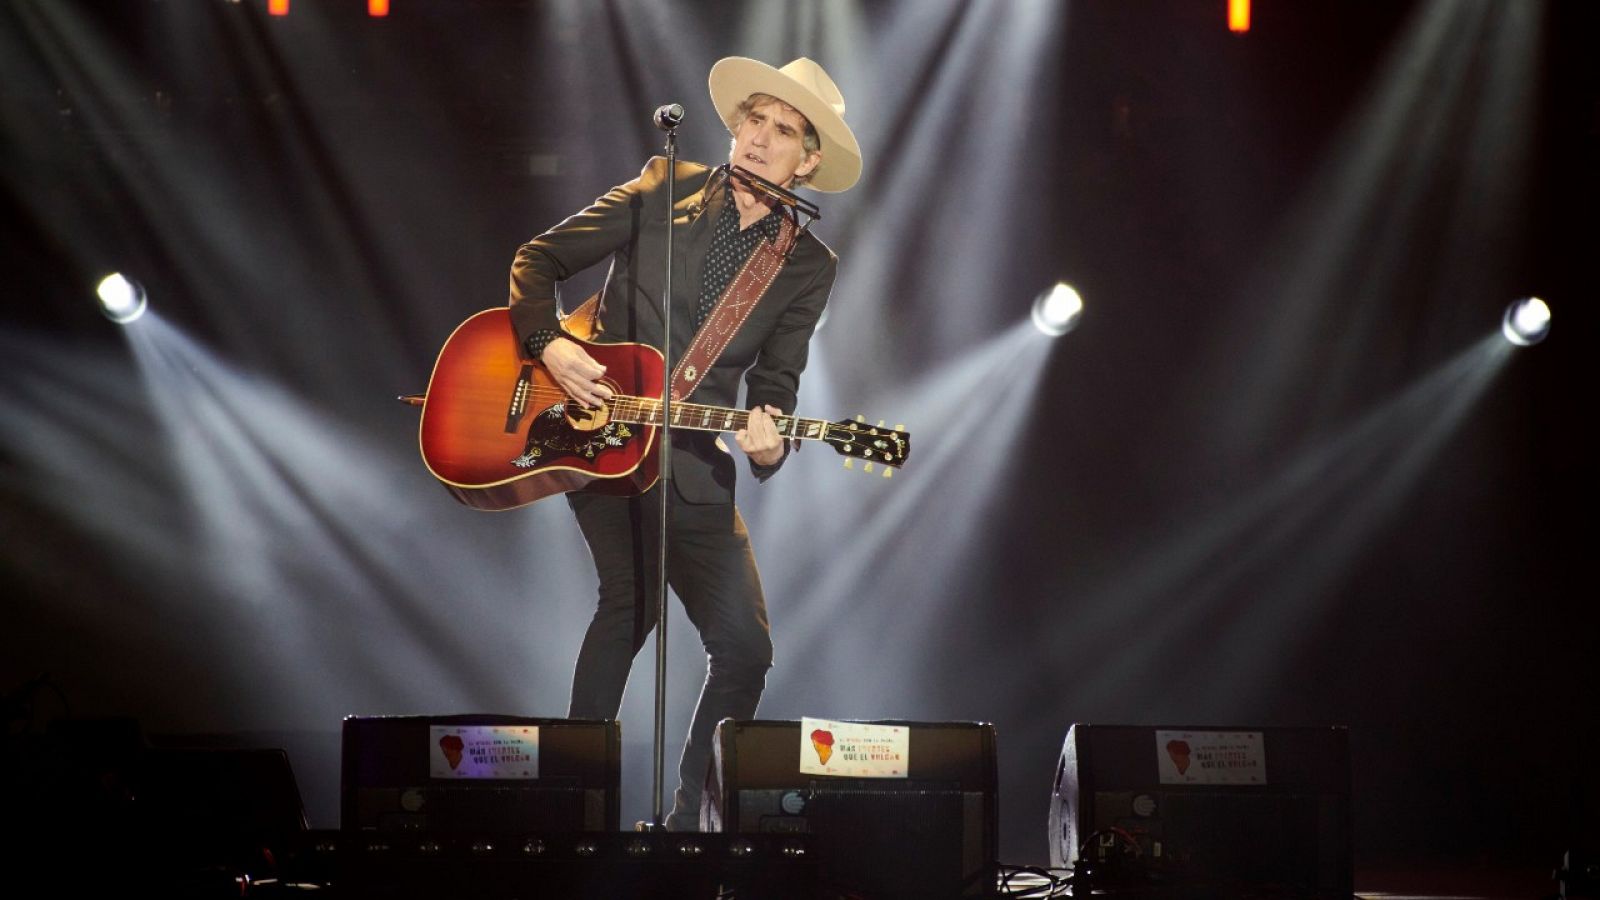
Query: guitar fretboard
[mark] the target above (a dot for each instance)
(694, 416)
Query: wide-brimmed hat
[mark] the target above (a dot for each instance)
(803, 85)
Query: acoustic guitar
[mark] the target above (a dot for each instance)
(498, 432)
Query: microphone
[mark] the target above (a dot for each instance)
(668, 116)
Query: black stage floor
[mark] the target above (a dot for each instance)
(1420, 881)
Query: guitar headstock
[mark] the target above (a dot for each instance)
(874, 445)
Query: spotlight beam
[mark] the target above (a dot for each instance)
(900, 552)
(1351, 245)
(1320, 508)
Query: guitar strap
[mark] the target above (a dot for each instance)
(732, 309)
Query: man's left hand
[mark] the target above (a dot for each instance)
(760, 440)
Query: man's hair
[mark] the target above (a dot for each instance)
(809, 141)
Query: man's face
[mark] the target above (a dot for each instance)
(769, 142)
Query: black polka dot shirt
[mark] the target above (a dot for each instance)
(730, 248)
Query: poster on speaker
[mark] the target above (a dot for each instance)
(1211, 757)
(484, 751)
(854, 749)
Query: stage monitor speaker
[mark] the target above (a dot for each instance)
(929, 834)
(220, 795)
(480, 774)
(107, 808)
(1204, 807)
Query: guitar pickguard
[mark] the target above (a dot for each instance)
(552, 434)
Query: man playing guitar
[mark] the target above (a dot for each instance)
(788, 128)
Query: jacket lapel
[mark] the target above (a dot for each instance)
(688, 258)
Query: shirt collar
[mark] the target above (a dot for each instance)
(769, 226)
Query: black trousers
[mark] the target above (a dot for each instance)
(712, 570)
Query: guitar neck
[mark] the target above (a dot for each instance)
(698, 417)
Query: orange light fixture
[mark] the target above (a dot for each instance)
(1238, 16)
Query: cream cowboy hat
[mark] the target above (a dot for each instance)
(803, 85)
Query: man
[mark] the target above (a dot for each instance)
(787, 126)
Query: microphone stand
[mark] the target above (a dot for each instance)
(658, 821)
(667, 119)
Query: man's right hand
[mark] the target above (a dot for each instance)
(576, 371)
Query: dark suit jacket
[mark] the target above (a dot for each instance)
(628, 224)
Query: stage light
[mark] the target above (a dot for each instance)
(1056, 311)
(377, 8)
(277, 7)
(1238, 16)
(1526, 322)
(121, 298)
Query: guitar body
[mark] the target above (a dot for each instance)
(497, 433)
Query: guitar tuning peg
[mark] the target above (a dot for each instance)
(860, 417)
(867, 467)
(880, 423)
(887, 472)
(899, 426)
(849, 463)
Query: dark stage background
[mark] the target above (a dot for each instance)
(1284, 473)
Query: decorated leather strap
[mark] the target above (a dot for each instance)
(732, 309)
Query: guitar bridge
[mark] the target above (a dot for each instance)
(519, 400)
